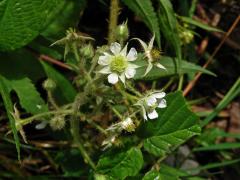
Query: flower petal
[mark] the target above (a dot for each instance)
(127, 122)
(130, 72)
(122, 78)
(160, 66)
(132, 54)
(124, 51)
(151, 101)
(153, 114)
(131, 65)
(105, 70)
(162, 103)
(143, 44)
(41, 125)
(104, 60)
(150, 45)
(113, 78)
(144, 113)
(150, 66)
(159, 95)
(115, 48)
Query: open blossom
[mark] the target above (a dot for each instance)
(150, 103)
(151, 55)
(118, 64)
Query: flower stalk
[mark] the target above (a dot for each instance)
(113, 20)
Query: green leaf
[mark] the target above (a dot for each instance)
(168, 26)
(5, 93)
(165, 172)
(122, 164)
(23, 72)
(153, 174)
(29, 97)
(163, 144)
(215, 165)
(69, 11)
(64, 87)
(175, 125)
(170, 173)
(191, 21)
(145, 10)
(21, 63)
(217, 147)
(22, 20)
(168, 62)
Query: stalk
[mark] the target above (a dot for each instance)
(113, 20)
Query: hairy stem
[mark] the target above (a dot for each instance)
(113, 20)
(80, 100)
(41, 115)
(51, 100)
(133, 90)
(81, 64)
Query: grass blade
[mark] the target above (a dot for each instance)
(232, 93)
(4, 91)
(216, 147)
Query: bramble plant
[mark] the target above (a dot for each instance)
(114, 108)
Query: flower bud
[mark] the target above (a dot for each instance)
(100, 177)
(122, 32)
(49, 84)
(128, 125)
(186, 36)
(57, 123)
(87, 51)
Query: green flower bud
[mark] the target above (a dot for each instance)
(122, 32)
(87, 51)
(100, 177)
(57, 123)
(186, 36)
(49, 85)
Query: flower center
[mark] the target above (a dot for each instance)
(155, 53)
(118, 63)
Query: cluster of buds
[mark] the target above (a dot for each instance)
(185, 34)
(73, 41)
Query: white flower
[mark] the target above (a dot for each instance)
(118, 64)
(150, 103)
(150, 52)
